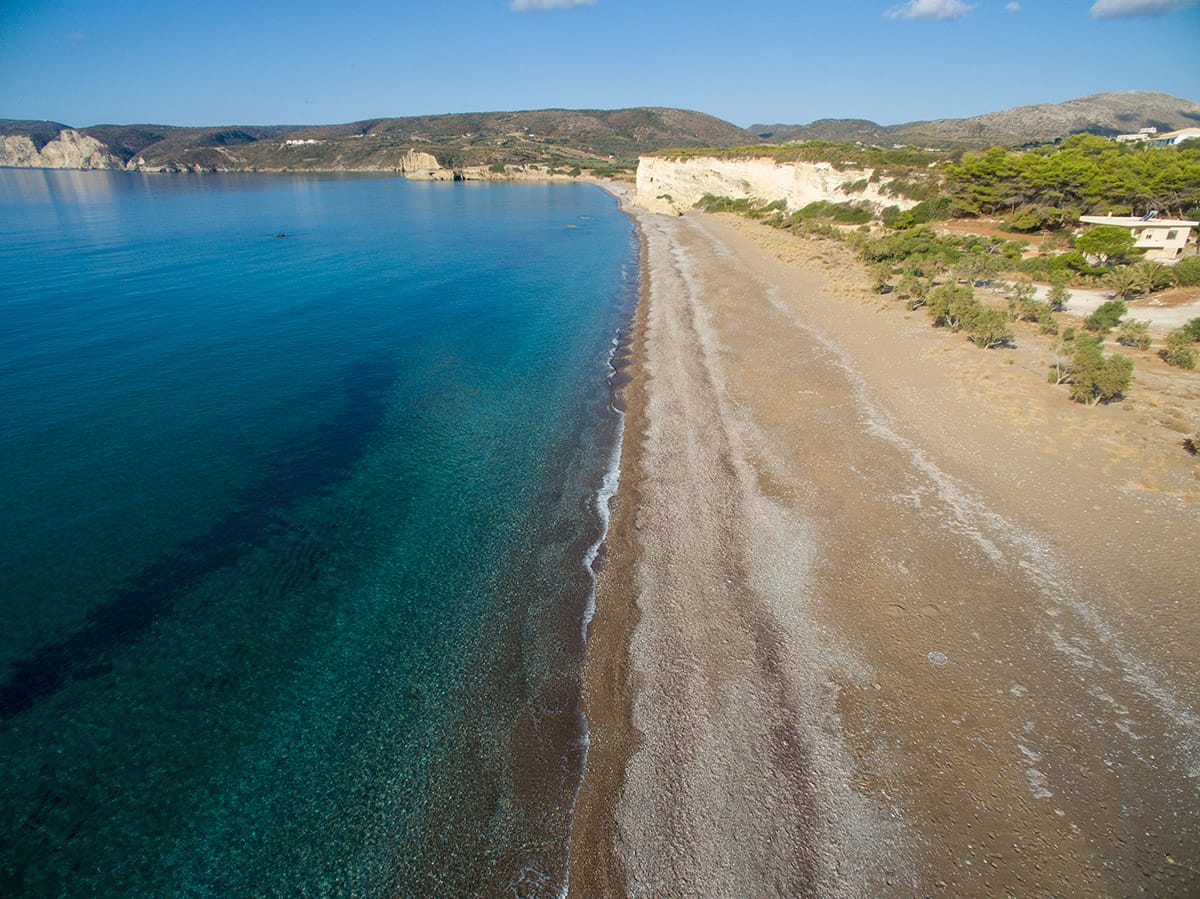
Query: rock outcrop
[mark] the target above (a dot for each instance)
(668, 185)
(418, 166)
(70, 150)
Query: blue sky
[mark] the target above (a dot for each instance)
(296, 62)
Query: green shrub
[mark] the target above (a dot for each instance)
(1106, 317)
(1179, 349)
(1058, 296)
(912, 288)
(881, 278)
(843, 213)
(1192, 329)
(1134, 333)
(1187, 271)
(712, 203)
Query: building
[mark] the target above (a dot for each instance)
(1173, 138)
(1164, 240)
(1142, 135)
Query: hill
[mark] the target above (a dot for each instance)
(549, 137)
(1105, 114)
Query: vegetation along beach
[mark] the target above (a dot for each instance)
(768, 468)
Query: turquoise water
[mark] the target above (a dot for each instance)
(295, 529)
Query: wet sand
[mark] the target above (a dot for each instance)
(884, 614)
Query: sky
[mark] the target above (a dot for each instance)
(222, 62)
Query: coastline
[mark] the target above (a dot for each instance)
(929, 649)
(595, 868)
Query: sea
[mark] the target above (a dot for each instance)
(302, 482)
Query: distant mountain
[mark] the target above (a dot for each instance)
(837, 130)
(554, 137)
(1106, 114)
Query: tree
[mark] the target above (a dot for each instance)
(1192, 329)
(988, 328)
(1020, 294)
(881, 276)
(1122, 282)
(1105, 318)
(1106, 242)
(1134, 333)
(1022, 306)
(1151, 276)
(1059, 296)
(977, 265)
(1064, 349)
(1096, 378)
(1179, 349)
(913, 289)
(950, 304)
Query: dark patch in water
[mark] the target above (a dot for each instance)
(149, 596)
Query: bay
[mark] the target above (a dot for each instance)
(294, 531)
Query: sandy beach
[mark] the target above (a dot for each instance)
(883, 613)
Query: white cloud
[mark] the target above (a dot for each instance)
(1012, 7)
(929, 9)
(523, 5)
(1115, 9)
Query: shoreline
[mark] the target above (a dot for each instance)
(594, 868)
(953, 663)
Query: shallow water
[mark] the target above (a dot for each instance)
(292, 556)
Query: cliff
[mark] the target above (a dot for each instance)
(69, 150)
(668, 185)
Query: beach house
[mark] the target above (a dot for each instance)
(1164, 240)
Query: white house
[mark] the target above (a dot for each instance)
(1164, 240)
(1173, 138)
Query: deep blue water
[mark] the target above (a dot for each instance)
(293, 530)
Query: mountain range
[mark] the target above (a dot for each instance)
(1105, 114)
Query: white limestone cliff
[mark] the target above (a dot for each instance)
(668, 185)
(70, 150)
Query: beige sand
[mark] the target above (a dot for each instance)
(886, 614)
